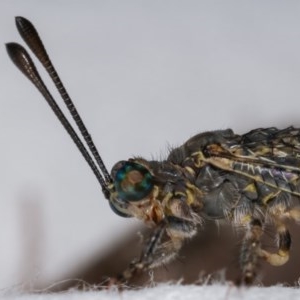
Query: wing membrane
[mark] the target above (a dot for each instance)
(268, 156)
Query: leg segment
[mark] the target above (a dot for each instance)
(158, 249)
(250, 251)
(284, 245)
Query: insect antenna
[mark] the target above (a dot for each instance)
(32, 39)
(23, 61)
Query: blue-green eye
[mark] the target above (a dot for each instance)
(133, 182)
(119, 210)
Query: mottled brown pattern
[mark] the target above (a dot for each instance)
(249, 180)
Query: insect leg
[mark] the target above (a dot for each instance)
(160, 248)
(250, 251)
(284, 245)
(146, 257)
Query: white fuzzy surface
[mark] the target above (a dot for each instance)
(174, 292)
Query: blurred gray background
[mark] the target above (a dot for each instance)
(145, 75)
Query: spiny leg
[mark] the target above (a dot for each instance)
(158, 249)
(146, 256)
(250, 251)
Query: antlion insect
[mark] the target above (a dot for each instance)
(249, 180)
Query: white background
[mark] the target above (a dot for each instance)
(144, 75)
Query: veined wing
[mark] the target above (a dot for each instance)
(269, 156)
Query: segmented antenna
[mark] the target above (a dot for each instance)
(32, 39)
(23, 61)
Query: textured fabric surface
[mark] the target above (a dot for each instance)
(172, 292)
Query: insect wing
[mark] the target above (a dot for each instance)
(267, 156)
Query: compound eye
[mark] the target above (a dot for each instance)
(133, 182)
(121, 212)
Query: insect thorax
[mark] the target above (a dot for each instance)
(219, 175)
